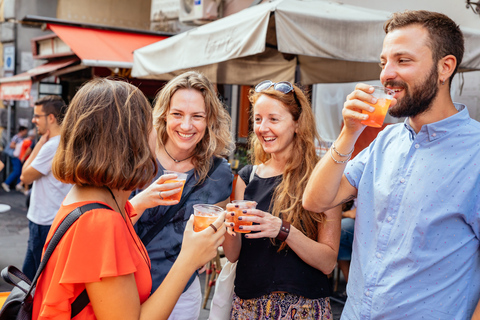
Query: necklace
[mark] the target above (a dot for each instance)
(176, 161)
(140, 249)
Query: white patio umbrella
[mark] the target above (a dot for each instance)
(310, 41)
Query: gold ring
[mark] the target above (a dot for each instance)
(213, 227)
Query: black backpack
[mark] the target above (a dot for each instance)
(19, 303)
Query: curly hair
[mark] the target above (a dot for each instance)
(104, 139)
(287, 196)
(217, 140)
(445, 35)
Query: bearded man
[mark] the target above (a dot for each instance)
(417, 227)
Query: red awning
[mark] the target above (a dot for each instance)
(18, 87)
(103, 48)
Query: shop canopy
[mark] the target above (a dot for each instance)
(103, 48)
(328, 42)
(75, 44)
(18, 87)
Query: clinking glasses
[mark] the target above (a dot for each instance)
(282, 86)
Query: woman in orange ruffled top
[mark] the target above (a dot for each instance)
(105, 152)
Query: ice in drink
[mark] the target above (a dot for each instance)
(204, 215)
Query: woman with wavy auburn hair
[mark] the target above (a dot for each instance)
(104, 152)
(284, 260)
(193, 129)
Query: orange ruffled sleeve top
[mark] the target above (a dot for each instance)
(99, 244)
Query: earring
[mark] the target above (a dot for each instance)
(442, 81)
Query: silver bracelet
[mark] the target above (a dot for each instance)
(339, 161)
(341, 154)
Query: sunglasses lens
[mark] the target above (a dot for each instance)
(264, 85)
(284, 87)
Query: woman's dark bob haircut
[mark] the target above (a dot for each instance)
(104, 138)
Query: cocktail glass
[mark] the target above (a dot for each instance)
(239, 206)
(181, 177)
(384, 98)
(204, 215)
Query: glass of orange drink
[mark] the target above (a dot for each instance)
(181, 177)
(384, 98)
(238, 206)
(204, 215)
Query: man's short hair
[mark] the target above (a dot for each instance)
(53, 104)
(445, 35)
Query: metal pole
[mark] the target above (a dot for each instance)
(234, 113)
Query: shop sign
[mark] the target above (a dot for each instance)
(19, 90)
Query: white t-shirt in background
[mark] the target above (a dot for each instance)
(47, 192)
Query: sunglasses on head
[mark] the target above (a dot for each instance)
(282, 86)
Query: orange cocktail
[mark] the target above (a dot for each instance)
(181, 177)
(239, 206)
(384, 98)
(204, 215)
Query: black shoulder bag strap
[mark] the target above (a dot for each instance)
(171, 211)
(80, 302)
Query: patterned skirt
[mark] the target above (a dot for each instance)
(281, 306)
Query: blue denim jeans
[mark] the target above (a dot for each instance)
(16, 172)
(346, 239)
(36, 241)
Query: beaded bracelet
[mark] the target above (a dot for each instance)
(339, 161)
(341, 154)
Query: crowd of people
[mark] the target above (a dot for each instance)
(409, 246)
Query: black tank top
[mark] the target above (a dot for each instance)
(260, 268)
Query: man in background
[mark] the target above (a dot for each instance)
(47, 192)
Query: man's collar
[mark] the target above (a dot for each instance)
(438, 129)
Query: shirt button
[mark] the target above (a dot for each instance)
(402, 180)
(367, 293)
(417, 146)
(379, 255)
(434, 134)
(389, 219)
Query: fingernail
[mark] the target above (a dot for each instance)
(374, 100)
(232, 224)
(371, 109)
(236, 206)
(244, 211)
(232, 213)
(246, 236)
(240, 218)
(240, 227)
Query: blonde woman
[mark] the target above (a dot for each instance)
(193, 129)
(283, 262)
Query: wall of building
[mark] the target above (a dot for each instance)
(116, 13)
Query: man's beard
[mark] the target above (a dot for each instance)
(419, 100)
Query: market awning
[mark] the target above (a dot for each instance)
(18, 87)
(308, 41)
(103, 48)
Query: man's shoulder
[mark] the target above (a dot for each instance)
(51, 145)
(474, 124)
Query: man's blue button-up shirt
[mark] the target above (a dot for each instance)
(416, 247)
